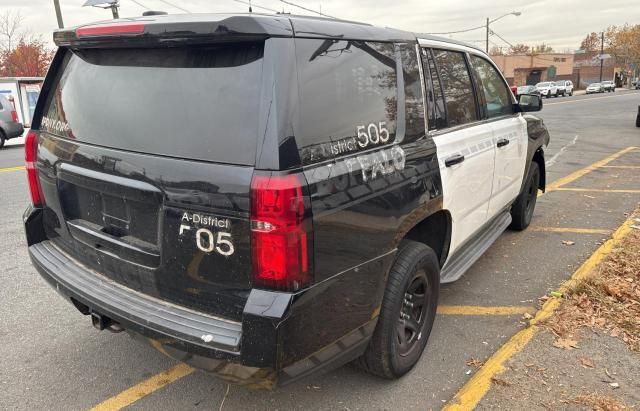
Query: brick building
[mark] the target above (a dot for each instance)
(521, 69)
(586, 67)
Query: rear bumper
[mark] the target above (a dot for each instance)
(282, 336)
(13, 130)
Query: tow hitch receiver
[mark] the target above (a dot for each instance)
(102, 322)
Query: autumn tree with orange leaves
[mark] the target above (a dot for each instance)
(21, 55)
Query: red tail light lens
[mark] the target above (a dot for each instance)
(30, 156)
(14, 116)
(110, 29)
(280, 242)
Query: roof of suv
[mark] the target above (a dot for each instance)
(256, 24)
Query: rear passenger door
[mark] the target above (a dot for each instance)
(509, 134)
(464, 144)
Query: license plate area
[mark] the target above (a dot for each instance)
(112, 214)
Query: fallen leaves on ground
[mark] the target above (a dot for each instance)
(474, 362)
(586, 362)
(565, 343)
(609, 299)
(500, 381)
(600, 402)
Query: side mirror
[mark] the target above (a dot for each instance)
(530, 102)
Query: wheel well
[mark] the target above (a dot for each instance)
(538, 157)
(435, 232)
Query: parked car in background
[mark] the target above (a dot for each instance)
(565, 87)
(9, 125)
(595, 88)
(514, 90)
(548, 89)
(608, 86)
(527, 90)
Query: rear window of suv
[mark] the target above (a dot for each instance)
(190, 102)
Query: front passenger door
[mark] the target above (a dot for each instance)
(464, 143)
(509, 135)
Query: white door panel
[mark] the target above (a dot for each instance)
(466, 186)
(510, 161)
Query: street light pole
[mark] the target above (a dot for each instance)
(56, 4)
(601, 55)
(486, 47)
(514, 13)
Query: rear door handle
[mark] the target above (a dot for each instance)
(453, 160)
(503, 142)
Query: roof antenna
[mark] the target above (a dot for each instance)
(250, 10)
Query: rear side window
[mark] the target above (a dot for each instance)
(497, 95)
(457, 86)
(435, 95)
(190, 102)
(348, 97)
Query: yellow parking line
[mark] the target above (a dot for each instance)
(9, 169)
(584, 171)
(477, 387)
(477, 310)
(570, 230)
(138, 391)
(595, 190)
(622, 167)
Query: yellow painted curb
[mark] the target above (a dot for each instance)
(478, 386)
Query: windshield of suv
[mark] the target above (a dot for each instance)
(594, 85)
(543, 85)
(189, 102)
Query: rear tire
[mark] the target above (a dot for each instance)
(3, 138)
(407, 313)
(525, 204)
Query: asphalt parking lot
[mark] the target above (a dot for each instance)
(52, 358)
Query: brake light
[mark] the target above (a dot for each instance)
(14, 116)
(30, 156)
(110, 29)
(279, 239)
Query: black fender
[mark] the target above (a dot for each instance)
(538, 138)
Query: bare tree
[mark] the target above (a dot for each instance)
(10, 29)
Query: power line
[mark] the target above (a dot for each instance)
(501, 38)
(177, 7)
(252, 4)
(459, 31)
(307, 9)
(140, 4)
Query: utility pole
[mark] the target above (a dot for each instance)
(601, 55)
(56, 4)
(114, 10)
(486, 42)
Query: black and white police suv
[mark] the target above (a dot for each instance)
(263, 197)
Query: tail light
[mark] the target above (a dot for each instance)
(14, 116)
(279, 236)
(30, 156)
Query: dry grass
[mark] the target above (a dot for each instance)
(609, 299)
(600, 402)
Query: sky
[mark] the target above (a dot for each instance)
(562, 24)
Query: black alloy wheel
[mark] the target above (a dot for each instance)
(413, 313)
(524, 206)
(407, 312)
